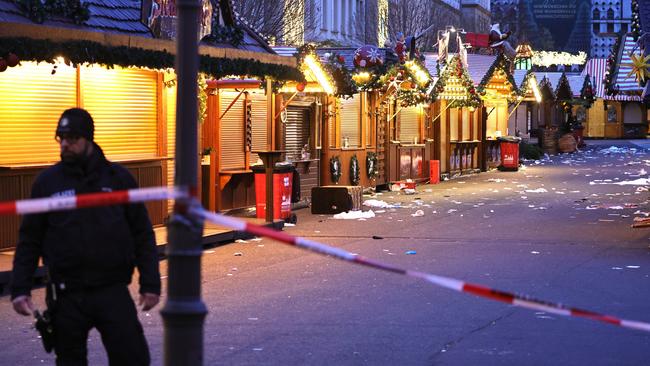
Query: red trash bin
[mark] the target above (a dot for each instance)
(282, 186)
(509, 146)
(434, 171)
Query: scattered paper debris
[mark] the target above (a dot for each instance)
(418, 213)
(411, 252)
(353, 215)
(378, 204)
(538, 190)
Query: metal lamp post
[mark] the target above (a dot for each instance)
(184, 311)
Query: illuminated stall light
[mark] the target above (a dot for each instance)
(535, 88)
(323, 79)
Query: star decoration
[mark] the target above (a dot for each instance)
(639, 67)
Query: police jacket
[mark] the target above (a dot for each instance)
(88, 247)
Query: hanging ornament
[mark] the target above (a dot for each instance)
(354, 170)
(371, 165)
(335, 169)
(367, 56)
(12, 60)
(301, 87)
(3, 65)
(341, 59)
(639, 67)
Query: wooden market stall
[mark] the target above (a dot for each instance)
(110, 62)
(457, 120)
(524, 116)
(496, 89)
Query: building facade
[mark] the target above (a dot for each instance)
(609, 18)
(476, 15)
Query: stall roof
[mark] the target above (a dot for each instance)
(627, 84)
(123, 17)
(479, 65)
(596, 68)
(576, 82)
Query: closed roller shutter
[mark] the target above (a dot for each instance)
(232, 132)
(350, 121)
(409, 125)
(259, 126)
(453, 124)
(296, 132)
(466, 130)
(123, 103)
(170, 99)
(32, 101)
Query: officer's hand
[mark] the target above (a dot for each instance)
(23, 305)
(148, 301)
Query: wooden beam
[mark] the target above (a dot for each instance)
(39, 31)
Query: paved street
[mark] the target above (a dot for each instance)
(553, 231)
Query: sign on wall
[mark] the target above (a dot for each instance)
(548, 25)
(160, 16)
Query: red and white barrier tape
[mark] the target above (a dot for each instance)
(42, 205)
(446, 282)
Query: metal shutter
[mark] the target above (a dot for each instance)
(350, 121)
(466, 130)
(259, 125)
(32, 101)
(123, 103)
(453, 124)
(296, 131)
(409, 126)
(232, 154)
(170, 99)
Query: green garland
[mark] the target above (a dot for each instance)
(372, 168)
(636, 27)
(525, 87)
(335, 67)
(563, 90)
(79, 52)
(39, 11)
(411, 96)
(587, 92)
(355, 171)
(502, 63)
(610, 87)
(335, 169)
(545, 85)
(455, 67)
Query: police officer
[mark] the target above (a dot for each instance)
(90, 253)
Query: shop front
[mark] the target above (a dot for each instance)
(129, 91)
(457, 123)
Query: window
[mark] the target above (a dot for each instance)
(596, 14)
(611, 114)
(581, 114)
(624, 27)
(610, 13)
(596, 28)
(610, 27)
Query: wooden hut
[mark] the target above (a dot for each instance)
(457, 120)
(116, 61)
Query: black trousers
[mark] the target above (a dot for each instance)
(109, 309)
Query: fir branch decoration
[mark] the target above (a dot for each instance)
(224, 34)
(610, 87)
(335, 169)
(502, 63)
(372, 169)
(587, 92)
(335, 67)
(563, 90)
(80, 52)
(456, 69)
(355, 171)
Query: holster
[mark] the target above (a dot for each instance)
(44, 322)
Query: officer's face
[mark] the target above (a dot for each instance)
(73, 148)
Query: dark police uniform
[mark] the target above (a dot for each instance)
(90, 254)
